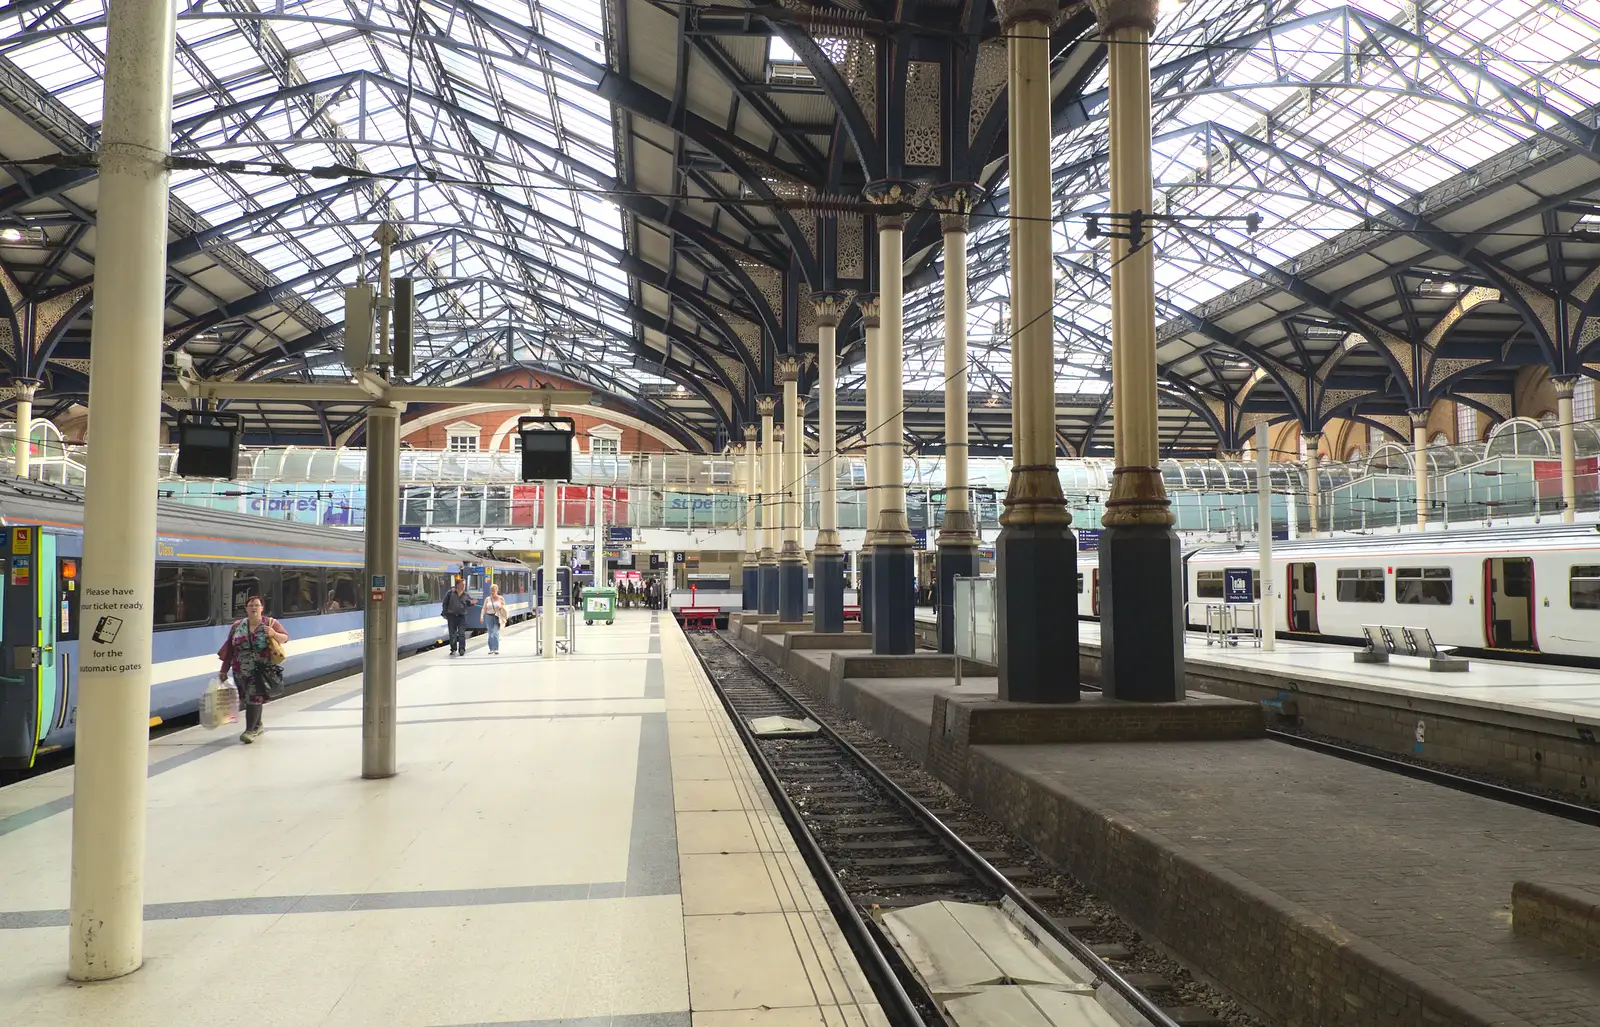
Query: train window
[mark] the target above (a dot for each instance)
(409, 588)
(240, 583)
(183, 595)
(1423, 586)
(1519, 579)
(1360, 585)
(344, 592)
(1208, 585)
(1080, 583)
(1584, 588)
(302, 591)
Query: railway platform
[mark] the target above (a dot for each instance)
(1533, 724)
(1315, 889)
(576, 841)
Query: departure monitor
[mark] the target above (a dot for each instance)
(546, 447)
(208, 444)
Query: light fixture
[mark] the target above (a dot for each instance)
(11, 234)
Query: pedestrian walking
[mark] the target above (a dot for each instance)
(253, 652)
(456, 605)
(495, 616)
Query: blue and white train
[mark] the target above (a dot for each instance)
(207, 564)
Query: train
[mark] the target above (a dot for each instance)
(207, 564)
(1525, 590)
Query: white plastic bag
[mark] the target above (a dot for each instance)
(219, 707)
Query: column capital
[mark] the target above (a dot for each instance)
(766, 405)
(1564, 384)
(894, 197)
(26, 386)
(1419, 417)
(868, 302)
(1013, 11)
(751, 433)
(1121, 14)
(1311, 437)
(954, 201)
(830, 307)
(786, 370)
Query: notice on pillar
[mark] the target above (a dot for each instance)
(105, 614)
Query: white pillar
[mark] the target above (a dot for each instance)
(792, 484)
(1569, 450)
(597, 559)
(547, 601)
(830, 308)
(106, 934)
(957, 502)
(871, 433)
(380, 639)
(1269, 589)
(890, 367)
(769, 481)
(23, 451)
(1313, 486)
(1419, 459)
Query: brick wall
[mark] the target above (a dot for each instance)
(437, 435)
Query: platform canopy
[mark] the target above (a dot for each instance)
(638, 197)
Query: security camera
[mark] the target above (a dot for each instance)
(179, 361)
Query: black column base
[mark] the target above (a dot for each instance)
(953, 562)
(1037, 575)
(894, 609)
(864, 589)
(827, 588)
(768, 590)
(1141, 614)
(791, 591)
(750, 594)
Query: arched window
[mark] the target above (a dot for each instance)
(1356, 453)
(1549, 419)
(1583, 410)
(1466, 423)
(1439, 439)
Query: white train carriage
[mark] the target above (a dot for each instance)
(1532, 590)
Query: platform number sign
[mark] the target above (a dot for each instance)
(1239, 585)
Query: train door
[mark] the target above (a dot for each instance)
(1303, 597)
(29, 686)
(1094, 583)
(1508, 611)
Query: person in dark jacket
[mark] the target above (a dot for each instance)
(456, 605)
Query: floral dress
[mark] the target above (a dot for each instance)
(245, 651)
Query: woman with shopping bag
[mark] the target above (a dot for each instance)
(254, 652)
(495, 616)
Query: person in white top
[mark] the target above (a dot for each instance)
(495, 616)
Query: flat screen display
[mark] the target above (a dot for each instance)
(546, 456)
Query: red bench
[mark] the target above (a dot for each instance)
(852, 613)
(699, 618)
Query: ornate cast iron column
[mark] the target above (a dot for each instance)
(1419, 463)
(750, 593)
(958, 535)
(769, 507)
(1569, 453)
(868, 301)
(893, 557)
(827, 560)
(792, 559)
(1313, 486)
(1141, 598)
(1036, 554)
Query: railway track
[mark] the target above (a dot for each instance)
(878, 838)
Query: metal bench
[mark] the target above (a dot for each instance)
(1386, 640)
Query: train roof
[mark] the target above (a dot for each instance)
(36, 502)
(1524, 537)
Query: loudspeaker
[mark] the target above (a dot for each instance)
(208, 444)
(357, 326)
(546, 447)
(401, 356)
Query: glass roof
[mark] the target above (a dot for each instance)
(1390, 117)
(485, 153)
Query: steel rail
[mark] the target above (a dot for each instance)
(897, 1003)
(980, 866)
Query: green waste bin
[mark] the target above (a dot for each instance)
(600, 604)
